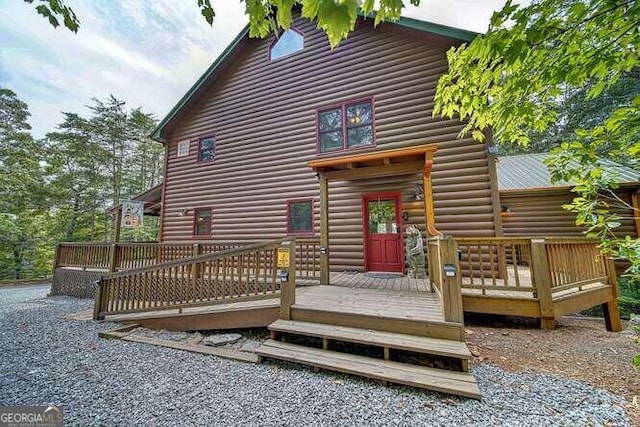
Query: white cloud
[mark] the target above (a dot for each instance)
(145, 52)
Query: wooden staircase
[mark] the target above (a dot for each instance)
(388, 356)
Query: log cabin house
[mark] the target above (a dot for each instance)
(291, 174)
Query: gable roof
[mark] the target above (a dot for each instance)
(416, 24)
(529, 171)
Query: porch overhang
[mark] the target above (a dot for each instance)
(402, 161)
(399, 161)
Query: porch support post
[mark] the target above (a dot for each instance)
(635, 203)
(542, 282)
(429, 211)
(610, 308)
(116, 224)
(324, 230)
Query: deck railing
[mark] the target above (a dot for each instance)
(85, 255)
(525, 265)
(575, 263)
(229, 275)
(496, 264)
(124, 256)
(308, 259)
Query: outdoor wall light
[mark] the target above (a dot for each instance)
(405, 216)
(505, 209)
(418, 192)
(183, 212)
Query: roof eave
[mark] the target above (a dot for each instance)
(443, 30)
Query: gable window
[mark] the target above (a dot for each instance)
(300, 216)
(183, 148)
(207, 149)
(345, 126)
(202, 222)
(289, 42)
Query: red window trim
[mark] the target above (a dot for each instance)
(288, 216)
(195, 221)
(343, 106)
(275, 40)
(215, 142)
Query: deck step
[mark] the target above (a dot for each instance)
(427, 328)
(414, 343)
(458, 383)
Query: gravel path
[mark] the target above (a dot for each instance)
(45, 359)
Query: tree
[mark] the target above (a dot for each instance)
(578, 111)
(21, 179)
(77, 184)
(510, 80)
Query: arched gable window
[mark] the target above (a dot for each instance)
(289, 42)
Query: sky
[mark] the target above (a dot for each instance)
(145, 52)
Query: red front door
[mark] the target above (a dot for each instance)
(382, 232)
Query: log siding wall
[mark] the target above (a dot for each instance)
(264, 117)
(540, 214)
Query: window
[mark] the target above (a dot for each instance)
(207, 149)
(202, 222)
(183, 148)
(300, 217)
(289, 42)
(346, 126)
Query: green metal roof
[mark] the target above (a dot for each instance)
(524, 171)
(416, 24)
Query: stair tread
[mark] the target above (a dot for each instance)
(415, 343)
(458, 383)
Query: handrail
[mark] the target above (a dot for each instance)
(245, 273)
(198, 259)
(123, 256)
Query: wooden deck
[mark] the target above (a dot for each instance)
(376, 301)
(381, 281)
(373, 295)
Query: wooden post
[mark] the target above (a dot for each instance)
(97, 305)
(429, 210)
(196, 267)
(116, 224)
(113, 258)
(288, 288)
(324, 230)
(56, 257)
(195, 270)
(451, 284)
(542, 281)
(611, 310)
(635, 204)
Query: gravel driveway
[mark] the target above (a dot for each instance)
(45, 359)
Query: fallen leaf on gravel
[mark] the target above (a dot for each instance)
(505, 333)
(338, 382)
(474, 352)
(468, 331)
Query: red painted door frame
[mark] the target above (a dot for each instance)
(397, 197)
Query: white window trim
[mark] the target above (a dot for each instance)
(183, 148)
